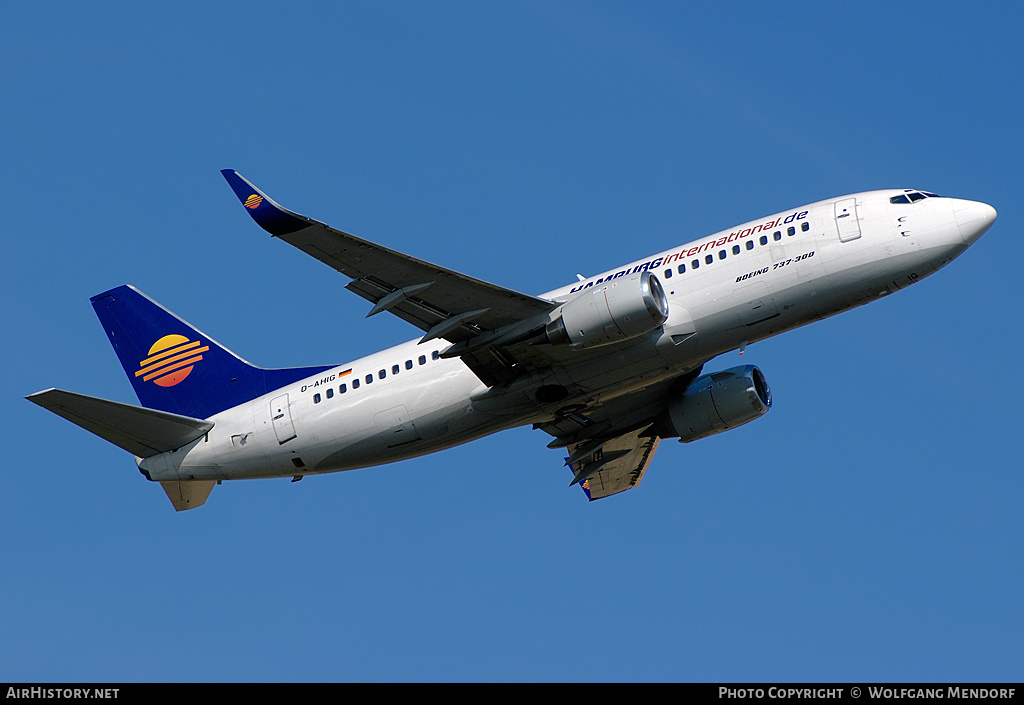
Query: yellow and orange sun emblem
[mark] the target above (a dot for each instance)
(253, 201)
(170, 360)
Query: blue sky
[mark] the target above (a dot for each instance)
(868, 529)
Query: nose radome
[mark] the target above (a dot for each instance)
(973, 218)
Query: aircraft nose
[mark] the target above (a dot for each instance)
(973, 218)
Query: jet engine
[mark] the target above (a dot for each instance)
(607, 313)
(716, 403)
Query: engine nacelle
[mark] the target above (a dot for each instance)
(716, 403)
(607, 313)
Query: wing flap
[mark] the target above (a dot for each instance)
(140, 431)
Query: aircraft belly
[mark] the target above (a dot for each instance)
(436, 430)
(869, 279)
(389, 420)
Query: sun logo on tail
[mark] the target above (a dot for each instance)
(253, 201)
(170, 360)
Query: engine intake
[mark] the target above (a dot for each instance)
(610, 312)
(716, 403)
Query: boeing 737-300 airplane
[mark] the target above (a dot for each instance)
(608, 366)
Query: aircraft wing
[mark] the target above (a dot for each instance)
(612, 444)
(441, 302)
(616, 466)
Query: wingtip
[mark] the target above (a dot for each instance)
(239, 184)
(267, 214)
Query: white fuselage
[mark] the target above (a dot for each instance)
(737, 286)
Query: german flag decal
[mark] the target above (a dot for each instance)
(170, 360)
(253, 201)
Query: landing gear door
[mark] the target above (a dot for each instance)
(281, 415)
(846, 219)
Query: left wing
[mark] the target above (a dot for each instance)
(441, 302)
(613, 466)
(611, 445)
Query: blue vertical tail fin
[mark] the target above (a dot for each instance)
(176, 368)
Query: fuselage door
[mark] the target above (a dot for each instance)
(395, 427)
(281, 415)
(846, 219)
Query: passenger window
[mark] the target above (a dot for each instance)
(805, 226)
(791, 231)
(423, 359)
(681, 268)
(355, 384)
(721, 254)
(395, 369)
(316, 398)
(330, 393)
(369, 379)
(735, 249)
(408, 364)
(668, 273)
(764, 240)
(436, 355)
(708, 259)
(695, 263)
(342, 389)
(750, 244)
(777, 235)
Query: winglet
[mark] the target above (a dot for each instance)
(270, 216)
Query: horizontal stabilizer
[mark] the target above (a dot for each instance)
(140, 431)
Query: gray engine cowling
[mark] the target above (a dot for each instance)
(716, 403)
(607, 313)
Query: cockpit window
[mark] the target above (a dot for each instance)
(910, 196)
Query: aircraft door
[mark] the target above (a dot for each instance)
(395, 427)
(281, 415)
(846, 219)
(756, 304)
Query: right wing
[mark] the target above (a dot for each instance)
(439, 301)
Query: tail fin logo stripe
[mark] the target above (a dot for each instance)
(163, 363)
(253, 201)
(170, 360)
(189, 363)
(173, 351)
